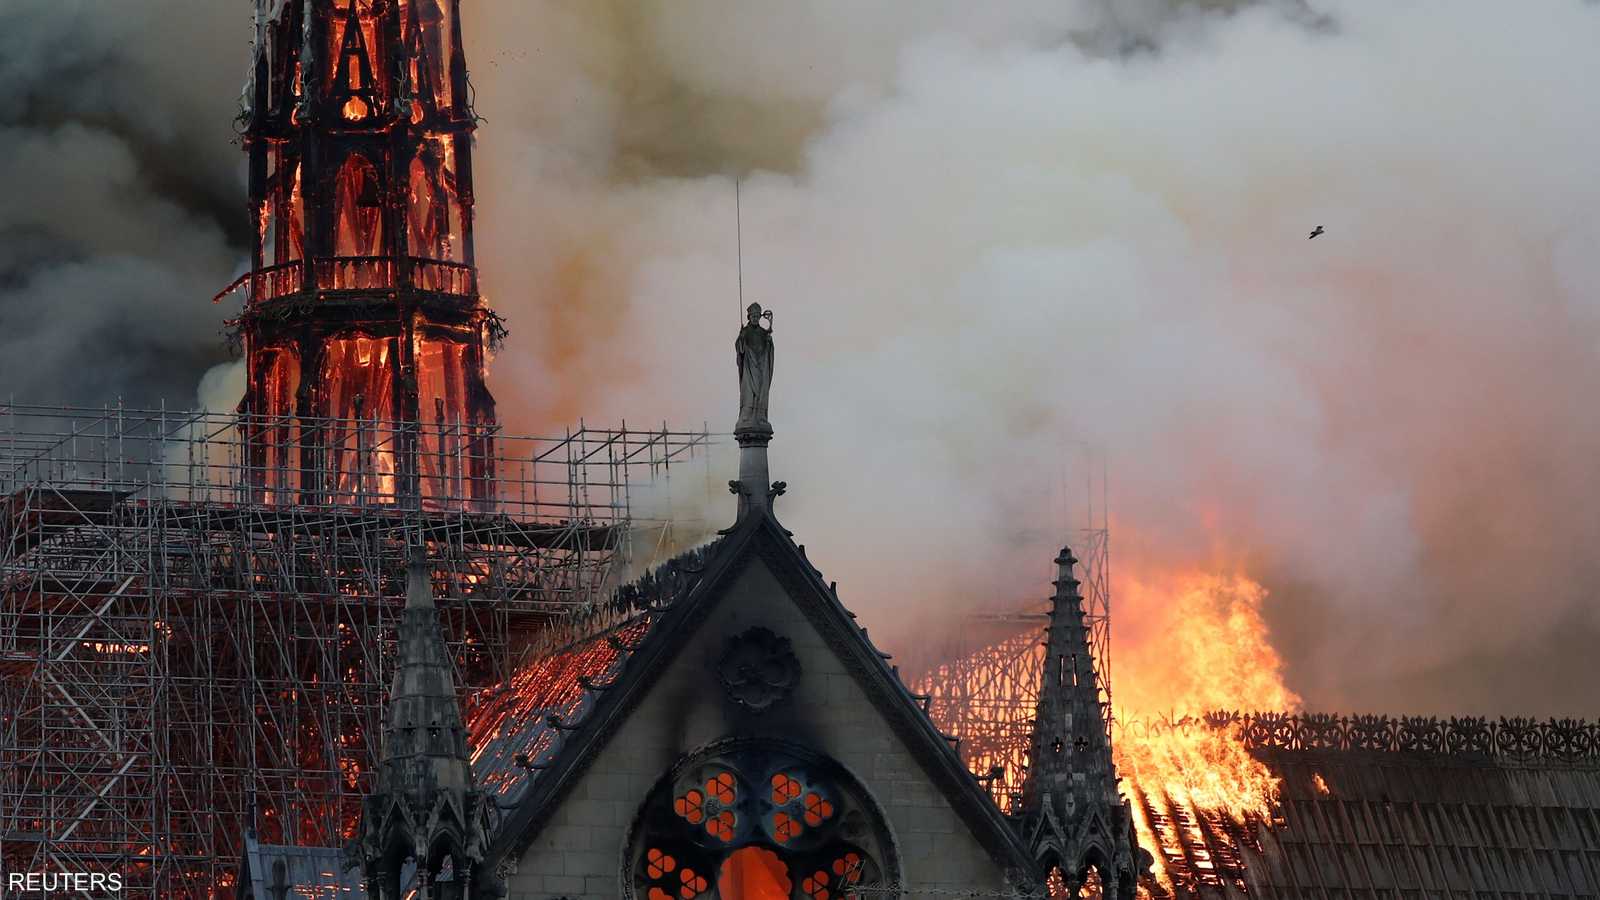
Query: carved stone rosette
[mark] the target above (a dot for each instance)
(757, 669)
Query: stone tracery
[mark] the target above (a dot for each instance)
(758, 819)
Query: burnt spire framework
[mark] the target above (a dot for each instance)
(362, 302)
(1073, 816)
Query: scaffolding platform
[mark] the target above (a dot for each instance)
(193, 643)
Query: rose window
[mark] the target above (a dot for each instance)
(758, 821)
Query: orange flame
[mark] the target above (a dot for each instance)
(1207, 650)
(1193, 642)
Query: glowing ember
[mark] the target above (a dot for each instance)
(1319, 784)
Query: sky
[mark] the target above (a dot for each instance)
(991, 238)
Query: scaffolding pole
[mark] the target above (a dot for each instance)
(197, 631)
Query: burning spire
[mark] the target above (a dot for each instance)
(362, 314)
(1073, 817)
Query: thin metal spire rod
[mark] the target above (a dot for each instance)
(738, 238)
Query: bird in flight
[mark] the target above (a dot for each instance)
(1315, 233)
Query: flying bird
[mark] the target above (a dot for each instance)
(1315, 233)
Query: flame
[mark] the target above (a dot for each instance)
(1192, 642)
(1202, 768)
(1318, 783)
(1201, 646)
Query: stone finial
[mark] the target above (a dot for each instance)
(419, 581)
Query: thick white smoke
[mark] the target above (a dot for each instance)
(987, 230)
(987, 233)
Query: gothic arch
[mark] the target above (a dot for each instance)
(433, 214)
(273, 430)
(1094, 875)
(358, 208)
(756, 819)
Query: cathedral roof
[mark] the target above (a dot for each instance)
(562, 708)
(267, 870)
(518, 729)
(1370, 819)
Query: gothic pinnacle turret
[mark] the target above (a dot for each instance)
(1073, 817)
(425, 807)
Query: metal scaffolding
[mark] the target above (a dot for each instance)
(185, 653)
(985, 689)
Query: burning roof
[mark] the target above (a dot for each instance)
(519, 727)
(1375, 805)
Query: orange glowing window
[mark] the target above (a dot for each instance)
(720, 826)
(784, 789)
(658, 864)
(355, 109)
(785, 827)
(357, 374)
(721, 789)
(429, 38)
(358, 201)
(281, 381)
(441, 382)
(691, 807)
(818, 810)
(753, 873)
(847, 868)
(297, 218)
(816, 886)
(428, 216)
(692, 885)
(658, 894)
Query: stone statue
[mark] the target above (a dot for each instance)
(753, 351)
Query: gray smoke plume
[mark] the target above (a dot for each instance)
(987, 234)
(123, 210)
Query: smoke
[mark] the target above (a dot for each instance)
(123, 210)
(988, 235)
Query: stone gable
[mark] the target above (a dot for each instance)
(582, 849)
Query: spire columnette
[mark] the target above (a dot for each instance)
(426, 807)
(1073, 817)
